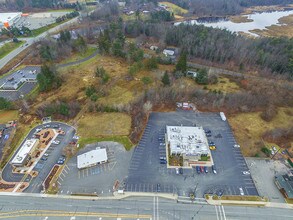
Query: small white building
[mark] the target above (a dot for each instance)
(223, 117)
(92, 158)
(169, 52)
(23, 153)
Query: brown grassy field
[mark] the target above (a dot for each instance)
(249, 127)
(225, 85)
(104, 124)
(240, 19)
(6, 116)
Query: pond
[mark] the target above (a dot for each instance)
(260, 21)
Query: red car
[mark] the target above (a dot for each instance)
(201, 169)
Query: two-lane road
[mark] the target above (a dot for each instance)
(30, 41)
(31, 208)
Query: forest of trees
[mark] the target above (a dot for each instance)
(269, 55)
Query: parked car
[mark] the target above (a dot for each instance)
(241, 191)
(55, 142)
(237, 145)
(201, 169)
(213, 148)
(198, 169)
(177, 170)
(214, 169)
(55, 126)
(163, 162)
(180, 170)
(219, 192)
(162, 144)
(208, 135)
(158, 187)
(207, 131)
(211, 143)
(46, 154)
(60, 162)
(161, 139)
(206, 170)
(44, 158)
(246, 172)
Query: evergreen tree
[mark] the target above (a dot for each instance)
(182, 62)
(166, 79)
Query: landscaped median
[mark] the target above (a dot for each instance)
(237, 200)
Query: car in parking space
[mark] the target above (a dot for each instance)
(246, 172)
(208, 135)
(214, 169)
(75, 137)
(38, 129)
(55, 142)
(241, 191)
(163, 162)
(181, 170)
(46, 154)
(161, 139)
(236, 145)
(207, 131)
(158, 187)
(211, 143)
(162, 144)
(198, 169)
(206, 169)
(219, 192)
(60, 162)
(46, 126)
(55, 126)
(44, 158)
(177, 170)
(213, 148)
(201, 169)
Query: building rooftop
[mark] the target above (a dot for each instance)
(16, 78)
(91, 158)
(6, 17)
(286, 182)
(24, 151)
(187, 140)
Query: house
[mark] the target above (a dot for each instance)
(169, 52)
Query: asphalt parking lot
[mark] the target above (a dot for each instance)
(98, 179)
(36, 20)
(43, 167)
(146, 172)
(263, 172)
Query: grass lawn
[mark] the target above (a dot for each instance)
(104, 124)
(95, 127)
(224, 85)
(175, 8)
(6, 116)
(8, 47)
(249, 127)
(79, 56)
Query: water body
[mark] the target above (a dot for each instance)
(260, 21)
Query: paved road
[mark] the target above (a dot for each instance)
(30, 41)
(43, 167)
(33, 208)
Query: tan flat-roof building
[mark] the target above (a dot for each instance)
(189, 142)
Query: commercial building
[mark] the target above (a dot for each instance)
(92, 158)
(285, 184)
(189, 142)
(24, 152)
(17, 78)
(9, 19)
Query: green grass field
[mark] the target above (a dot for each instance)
(8, 47)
